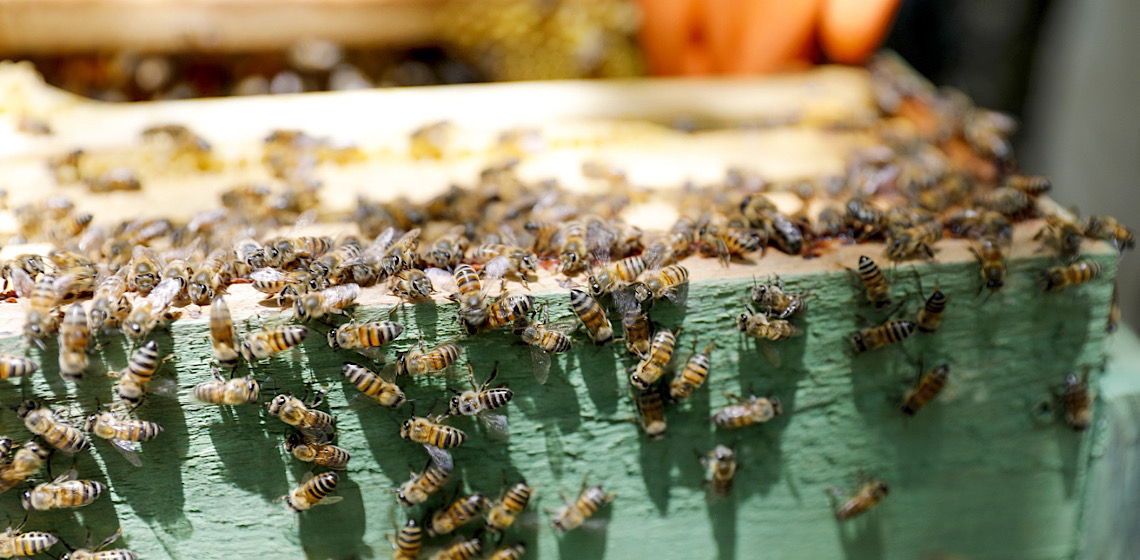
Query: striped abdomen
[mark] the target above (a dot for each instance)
(930, 318)
(593, 316)
(878, 292)
(928, 387)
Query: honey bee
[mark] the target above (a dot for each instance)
(280, 285)
(758, 325)
(726, 243)
(6, 445)
(988, 132)
(63, 492)
(223, 337)
(42, 296)
(330, 300)
(473, 311)
(746, 412)
(653, 365)
(694, 374)
(420, 487)
(424, 430)
(13, 543)
(332, 264)
(1008, 201)
(407, 543)
(874, 283)
(864, 219)
(364, 335)
(507, 309)
(177, 270)
(446, 251)
(313, 491)
(926, 387)
(571, 246)
(462, 550)
(668, 282)
(543, 342)
(384, 392)
(1076, 402)
(1060, 277)
(720, 464)
(145, 271)
(249, 253)
(459, 513)
(651, 412)
(110, 307)
(123, 433)
(140, 369)
(1108, 229)
(772, 300)
(235, 391)
(323, 454)
(30, 265)
(152, 309)
(635, 324)
(993, 260)
(616, 275)
(930, 317)
(870, 493)
(25, 462)
(209, 276)
(418, 362)
(512, 552)
(314, 424)
(1061, 235)
(593, 316)
(412, 284)
(873, 338)
(265, 343)
(505, 510)
(16, 366)
(41, 421)
(98, 553)
(480, 400)
(285, 251)
(904, 243)
(573, 514)
(785, 233)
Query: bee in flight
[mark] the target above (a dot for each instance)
(124, 433)
(98, 553)
(481, 400)
(746, 412)
(574, 514)
(323, 454)
(16, 366)
(313, 491)
(43, 422)
(869, 494)
(63, 492)
(543, 342)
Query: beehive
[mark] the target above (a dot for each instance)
(979, 473)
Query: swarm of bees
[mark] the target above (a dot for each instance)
(470, 247)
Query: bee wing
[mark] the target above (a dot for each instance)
(377, 354)
(678, 295)
(62, 284)
(594, 524)
(268, 275)
(163, 294)
(624, 299)
(440, 457)
(71, 474)
(496, 424)
(771, 353)
(22, 282)
(164, 387)
(129, 450)
(360, 401)
(496, 268)
(540, 360)
(328, 500)
(341, 294)
(441, 280)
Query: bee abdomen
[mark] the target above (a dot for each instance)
(495, 398)
(32, 543)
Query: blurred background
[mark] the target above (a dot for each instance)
(1064, 68)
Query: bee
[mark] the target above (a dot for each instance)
(209, 276)
(154, 308)
(418, 362)
(1061, 235)
(69, 226)
(571, 246)
(473, 311)
(110, 307)
(223, 337)
(573, 514)
(593, 316)
(462, 550)
(507, 309)
(315, 424)
(413, 285)
(1108, 229)
(785, 233)
(178, 270)
(651, 411)
(1060, 277)
(874, 283)
(746, 412)
(420, 487)
(1076, 402)
(330, 264)
(138, 373)
(930, 317)
(775, 302)
(98, 553)
(6, 445)
(988, 132)
(720, 463)
(694, 374)
(503, 511)
(407, 543)
(635, 324)
(123, 433)
(25, 462)
(283, 252)
(616, 275)
(926, 387)
(1032, 185)
(280, 285)
(14, 543)
(41, 421)
(16, 366)
(726, 243)
(904, 243)
(330, 300)
(364, 335)
(446, 251)
(667, 282)
(265, 343)
(42, 296)
(993, 260)
(1008, 201)
(513, 552)
(479, 398)
(235, 391)
(249, 253)
(870, 493)
(459, 513)
(873, 338)
(30, 265)
(865, 220)
(314, 490)
(543, 342)
(653, 365)
(386, 393)
(144, 270)
(323, 454)
(424, 430)
(401, 254)
(758, 325)
(63, 492)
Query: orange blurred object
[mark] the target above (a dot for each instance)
(692, 37)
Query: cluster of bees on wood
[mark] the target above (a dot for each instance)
(468, 244)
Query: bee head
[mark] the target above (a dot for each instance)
(595, 286)
(332, 338)
(742, 320)
(89, 424)
(406, 428)
(777, 408)
(275, 405)
(723, 453)
(26, 501)
(292, 441)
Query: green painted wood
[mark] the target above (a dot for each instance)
(977, 473)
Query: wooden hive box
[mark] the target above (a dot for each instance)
(979, 473)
